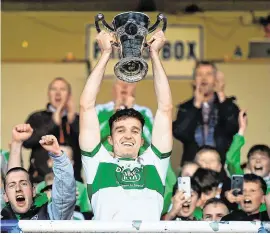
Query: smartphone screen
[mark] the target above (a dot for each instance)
(237, 184)
(184, 185)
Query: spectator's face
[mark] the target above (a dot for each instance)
(259, 164)
(208, 195)
(252, 197)
(209, 160)
(214, 212)
(126, 137)
(189, 169)
(58, 93)
(122, 90)
(19, 191)
(189, 207)
(205, 77)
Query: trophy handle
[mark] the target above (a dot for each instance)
(160, 17)
(100, 17)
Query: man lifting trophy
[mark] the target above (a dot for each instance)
(126, 185)
(131, 29)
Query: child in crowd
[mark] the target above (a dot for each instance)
(209, 182)
(189, 168)
(258, 156)
(208, 157)
(254, 190)
(182, 207)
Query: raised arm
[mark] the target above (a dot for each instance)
(89, 136)
(20, 133)
(64, 187)
(162, 128)
(233, 156)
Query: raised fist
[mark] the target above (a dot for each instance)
(50, 143)
(21, 132)
(157, 41)
(105, 41)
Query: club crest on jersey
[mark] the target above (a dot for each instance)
(129, 177)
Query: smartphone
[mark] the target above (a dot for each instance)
(237, 184)
(185, 186)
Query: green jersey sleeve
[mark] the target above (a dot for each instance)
(233, 156)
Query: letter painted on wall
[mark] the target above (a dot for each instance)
(183, 47)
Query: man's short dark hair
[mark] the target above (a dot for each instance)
(194, 186)
(207, 179)
(203, 63)
(214, 201)
(124, 114)
(256, 179)
(14, 169)
(259, 148)
(205, 148)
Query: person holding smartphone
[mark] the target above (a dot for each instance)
(254, 191)
(184, 206)
(258, 157)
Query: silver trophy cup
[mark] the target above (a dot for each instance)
(131, 29)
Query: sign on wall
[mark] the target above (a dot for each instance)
(183, 47)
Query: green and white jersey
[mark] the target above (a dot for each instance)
(124, 189)
(105, 111)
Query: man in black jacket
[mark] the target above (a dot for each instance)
(58, 119)
(209, 118)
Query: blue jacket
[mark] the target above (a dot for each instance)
(63, 190)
